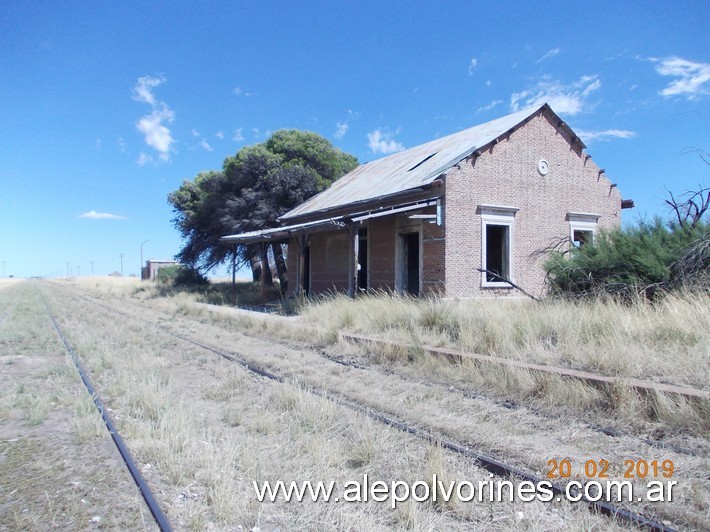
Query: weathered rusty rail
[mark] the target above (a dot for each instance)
(594, 379)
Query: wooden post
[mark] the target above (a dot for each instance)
(300, 242)
(352, 269)
(234, 275)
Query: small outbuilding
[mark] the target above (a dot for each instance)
(149, 272)
(459, 216)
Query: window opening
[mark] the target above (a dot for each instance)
(582, 227)
(497, 240)
(581, 238)
(497, 253)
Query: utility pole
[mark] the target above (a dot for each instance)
(67, 269)
(78, 270)
(121, 255)
(92, 267)
(141, 268)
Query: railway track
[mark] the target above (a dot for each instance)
(494, 466)
(464, 392)
(145, 491)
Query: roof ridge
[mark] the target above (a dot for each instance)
(410, 168)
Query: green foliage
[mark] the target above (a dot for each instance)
(181, 276)
(640, 259)
(255, 186)
(167, 275)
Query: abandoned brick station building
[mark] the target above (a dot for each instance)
(426, 219)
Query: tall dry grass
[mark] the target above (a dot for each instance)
(667, 341)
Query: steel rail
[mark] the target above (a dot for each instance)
(512, 405)
(490, 464)
(160, 518)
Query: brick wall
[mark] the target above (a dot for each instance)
(330, 253)
(381, 248)
(507, 175)
(433, 257)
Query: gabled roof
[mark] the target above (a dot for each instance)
(410, 169)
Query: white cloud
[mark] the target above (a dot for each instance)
(568, 99)
(195, 133)
(605, 135)
(382, 142)
(219, 135)
(548, 55)
(238, 137)
(255, 130)
(205, 145)
(93, 215)
(472, 66)
(342, 128)
(489, 106)
(694, 78)
(142, 92)
(157, 134)
(144, 159)
(239, 92)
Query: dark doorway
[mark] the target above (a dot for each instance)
(410, 257)
(307, 270)
(362, 260)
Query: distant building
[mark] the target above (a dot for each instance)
(149, 272)
(115, 274)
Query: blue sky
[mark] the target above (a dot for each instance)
(105, 107)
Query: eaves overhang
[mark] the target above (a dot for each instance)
(278, 234)
(353, 219)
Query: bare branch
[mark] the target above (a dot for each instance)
(560, 245)
(511, 283)
(691, 206)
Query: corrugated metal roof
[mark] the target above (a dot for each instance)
(408, 169)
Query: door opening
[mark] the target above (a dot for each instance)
(362, 260)
(410, 263)
(307, 270)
